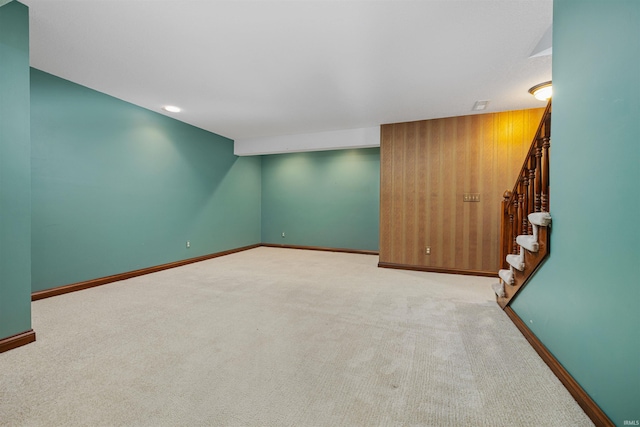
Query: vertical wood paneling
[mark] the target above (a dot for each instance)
(474, 183)
(459, 162)
(487, 230)
(437, 193)
(427, 166)
(432, 189)
(386, 190)
(398, 190)
(449, 184)
(423, 197)
(410, 217)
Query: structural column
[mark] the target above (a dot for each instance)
(15, 178)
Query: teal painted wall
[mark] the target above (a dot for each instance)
(325, 198)
(584, 304)
(15, 184)
(117, 187)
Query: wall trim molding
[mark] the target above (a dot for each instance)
(437, 269)
(321, 248)
(587, 404)
(17, 340)
(74, 287)
(47, 293)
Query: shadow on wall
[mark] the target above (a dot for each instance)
(117, 187)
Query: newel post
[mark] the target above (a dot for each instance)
(505, 229)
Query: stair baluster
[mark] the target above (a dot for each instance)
(532, 189)
(546, 143)
(538, 181)
(522, 216)
(514, 221)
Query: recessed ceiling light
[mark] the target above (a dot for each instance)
(480, 105)
(171, 108)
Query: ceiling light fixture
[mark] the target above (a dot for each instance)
(171, 108)
(542, 91)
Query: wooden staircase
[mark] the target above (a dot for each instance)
(525, 224)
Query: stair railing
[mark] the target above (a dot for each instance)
(527, 201)
(530, 192)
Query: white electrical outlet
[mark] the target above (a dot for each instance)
(188, 244)
(427, 250)
(283, 234)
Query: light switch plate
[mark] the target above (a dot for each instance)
(471, 197)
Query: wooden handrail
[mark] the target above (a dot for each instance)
(530, 192)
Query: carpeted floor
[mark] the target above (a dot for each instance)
(278, 337)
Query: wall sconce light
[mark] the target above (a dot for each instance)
(541, 91)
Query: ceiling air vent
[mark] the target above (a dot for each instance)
(480, 106)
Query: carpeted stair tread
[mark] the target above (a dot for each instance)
(516, 261)
(506, 276)
(529, 242)
(498, 288)
(541, 219)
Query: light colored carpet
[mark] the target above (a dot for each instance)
(278, 337)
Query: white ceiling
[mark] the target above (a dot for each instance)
(248, 69)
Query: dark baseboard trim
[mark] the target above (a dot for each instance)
(437, 270)
(587, 404)
(17, 340)
(320, 248)
(122, 276)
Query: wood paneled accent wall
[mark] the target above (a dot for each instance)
(427, 166)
